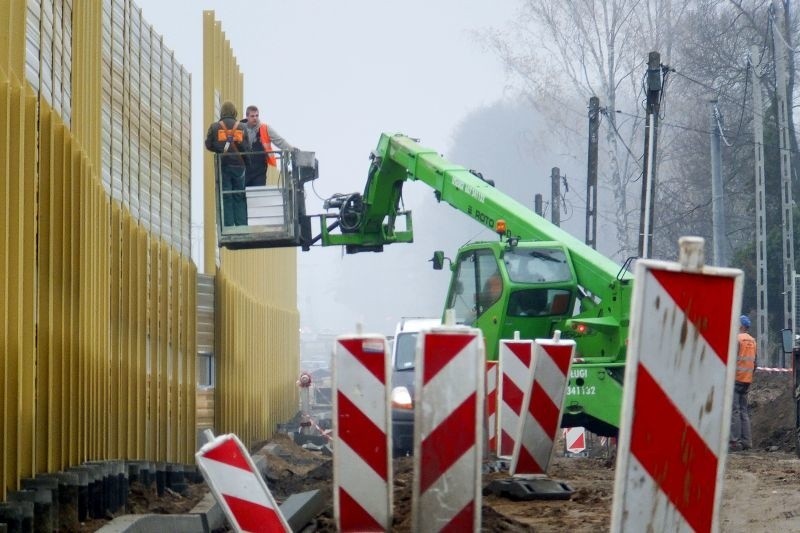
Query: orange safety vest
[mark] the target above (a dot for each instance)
(266, 142)
(746, 359)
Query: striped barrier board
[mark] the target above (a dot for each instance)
(542, 407)
(575, 439)
(448, 430)
(515, 361)
(362, 468)
(678, 392)
(238, 486)
(491, 404)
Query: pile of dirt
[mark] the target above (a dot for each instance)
(145, 500)
(772, 411)
(292, 469)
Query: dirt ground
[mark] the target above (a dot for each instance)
(761, 491)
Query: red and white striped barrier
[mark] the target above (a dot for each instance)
(491, 404)
(678, 393)
(238, 486)
(362, 468)
(448, 430)
(542, 406)
(575, 439)
(515, 361)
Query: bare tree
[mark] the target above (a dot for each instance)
(566, 51)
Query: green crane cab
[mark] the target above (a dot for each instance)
(531, 287)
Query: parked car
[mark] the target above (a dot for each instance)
(403, 360)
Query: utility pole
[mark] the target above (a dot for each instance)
(537, 204)
(591, 173)
(762, 293)
(654, 86)
(555, 196)
(779, 46)
(717, 203)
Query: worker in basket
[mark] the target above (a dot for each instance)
(226, 138)
(259, 138)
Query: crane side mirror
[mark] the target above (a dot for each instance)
(438, 260)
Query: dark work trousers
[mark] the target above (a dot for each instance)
(234, 205)
(740, 422)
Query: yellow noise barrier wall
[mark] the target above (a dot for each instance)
(97, 317)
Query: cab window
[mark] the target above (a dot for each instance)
(539, 302)
(476, 286)
(541, 265)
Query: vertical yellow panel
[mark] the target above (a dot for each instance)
(126, 408)
(175, 403)
(191, 358)
(5, 252)
(81, 376)
(115, 404)
(12, 280)
(209, 211)
(86, 98)
(105, 352)
(88, 301)
(153, 359)
(163, 346)
(12, 43)
(45, 275)
(27, 287)
(76, 275)
(141, 343)
(59, 297)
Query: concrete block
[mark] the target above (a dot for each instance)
(178, 523)
(49, 485)
(210, 513)
(84, 476)
(300, 509)
(68, 484)
(42, 519)
(17, 515)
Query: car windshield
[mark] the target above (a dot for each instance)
(541, 265)
(405, 350)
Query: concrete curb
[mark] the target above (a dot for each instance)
(205, 517)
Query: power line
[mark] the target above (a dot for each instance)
(707, 132)
(604, 111)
